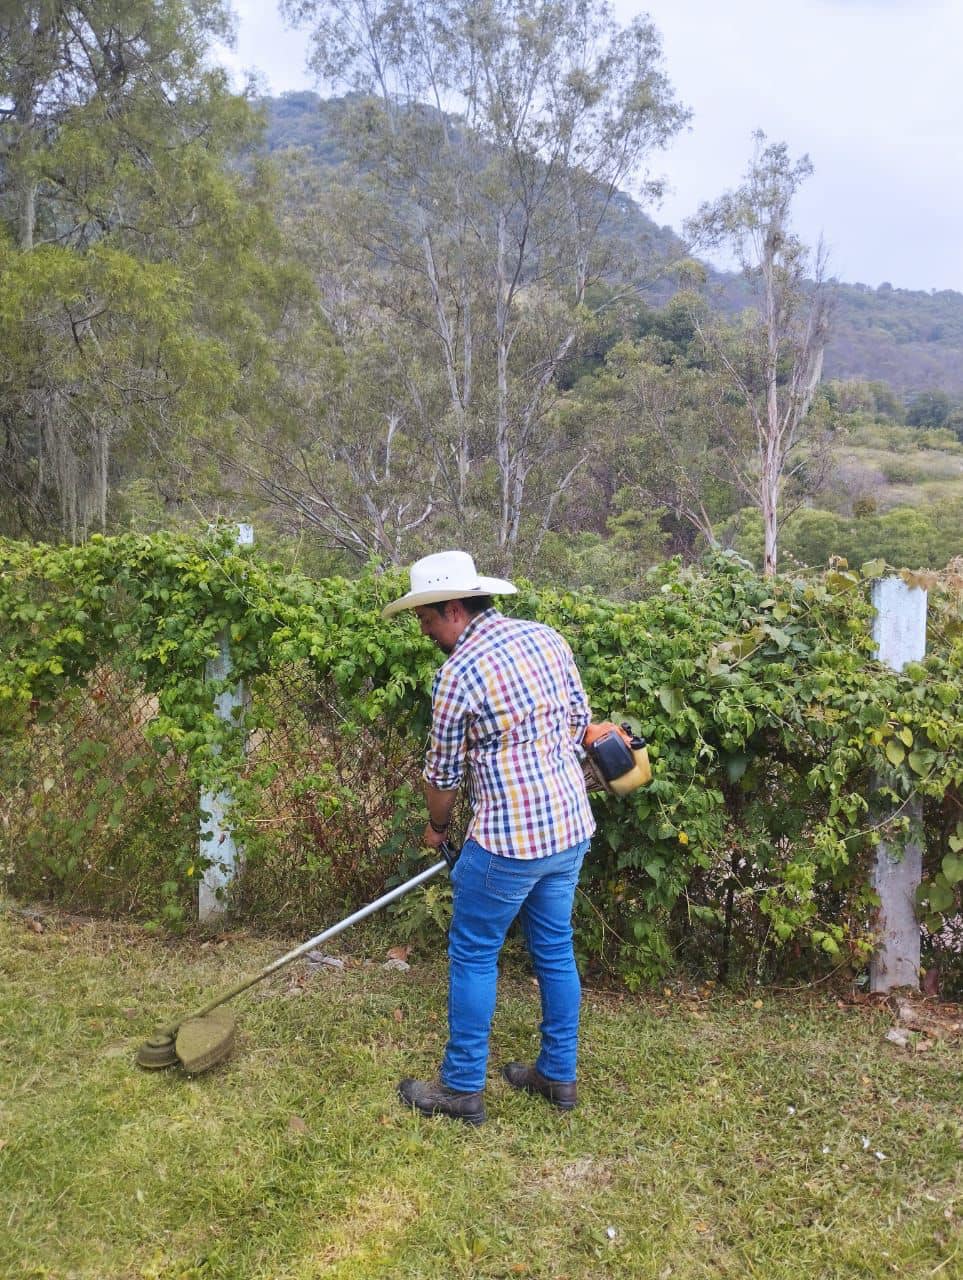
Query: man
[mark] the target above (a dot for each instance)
(508, 710)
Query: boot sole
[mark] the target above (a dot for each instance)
(475, 1120)
(535, 1092)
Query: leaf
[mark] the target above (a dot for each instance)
(919, 761)
(940, 895)
(671, 700)
(735, 764)
(873, 568)
(953, 868)
(781, 638)
(297, 1125)
(905, 736)
(838, 583)
(401, 952)
(922, 580)
(614, 837)
(895, 754)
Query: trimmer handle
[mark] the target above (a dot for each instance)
(449, 853)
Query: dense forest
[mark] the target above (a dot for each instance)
(373, 326)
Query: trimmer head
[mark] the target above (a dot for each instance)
(157, 1052)
(199, 1044)
(204, 1042)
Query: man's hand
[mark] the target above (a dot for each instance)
(433, 839)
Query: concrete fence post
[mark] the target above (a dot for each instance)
(217, 845)
(899, 630)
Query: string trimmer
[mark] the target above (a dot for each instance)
(202, 1039)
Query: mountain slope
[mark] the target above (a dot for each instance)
(907, 338)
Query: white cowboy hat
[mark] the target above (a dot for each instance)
(446, 575)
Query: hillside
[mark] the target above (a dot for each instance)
(909, 339)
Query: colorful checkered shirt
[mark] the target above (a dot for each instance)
(508, 708)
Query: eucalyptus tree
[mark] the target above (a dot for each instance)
(662, 422)
(135, 295)
(492, 138)
(773, 360)
(339, 453)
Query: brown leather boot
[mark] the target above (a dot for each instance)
(563, 1096)
(432, 1098)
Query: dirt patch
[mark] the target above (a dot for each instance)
(583, 1173)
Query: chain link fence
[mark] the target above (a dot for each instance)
(97, 814)
(92, 814)
(332, 807)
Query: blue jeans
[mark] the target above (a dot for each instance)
(489, 892)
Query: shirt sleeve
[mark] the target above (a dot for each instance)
(445, 757)
(579, 711)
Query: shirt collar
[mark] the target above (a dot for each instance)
(473, 626)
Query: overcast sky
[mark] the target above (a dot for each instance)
(872, 90)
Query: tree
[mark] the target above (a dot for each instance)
(773, 362)
(929, 409)
(349, 461)
(494, 136)
(140, 294)
(655, 416)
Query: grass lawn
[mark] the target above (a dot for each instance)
(713, 1138)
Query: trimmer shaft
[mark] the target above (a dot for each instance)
(203, 1039)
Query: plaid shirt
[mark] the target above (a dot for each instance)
(508, 707)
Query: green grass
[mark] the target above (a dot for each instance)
(713, 1138)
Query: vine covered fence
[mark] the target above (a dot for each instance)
(767, 716)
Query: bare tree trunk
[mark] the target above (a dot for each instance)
(28, 215)
(769, 501)
(772, 453)
(463, 456)
(26, 183)
(771, 552)
(459, 395)
(101, 459)
(503, 452)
